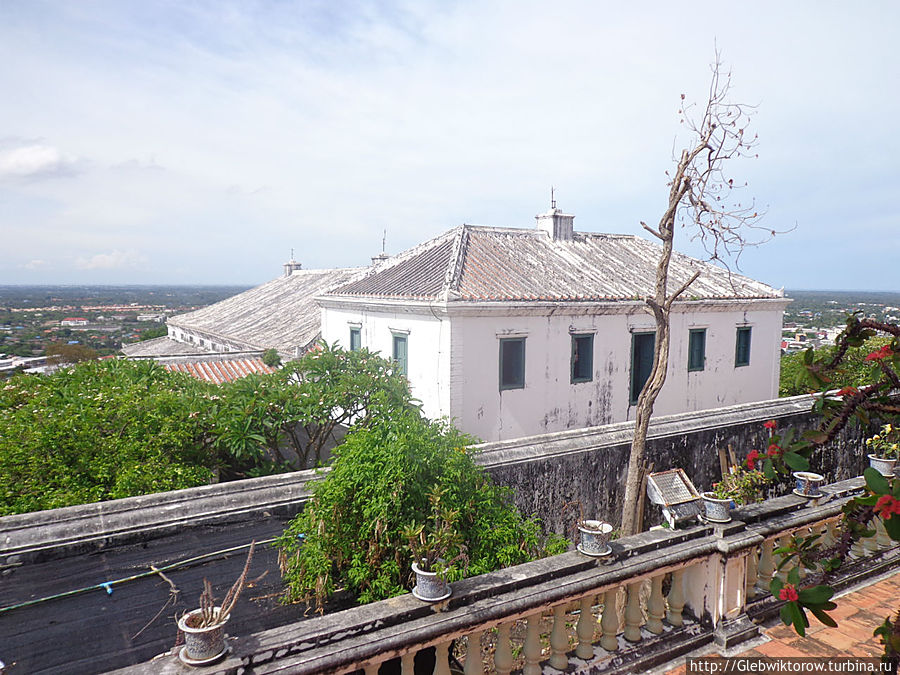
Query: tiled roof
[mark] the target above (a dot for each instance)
(280, 314)
(224, 370)
(474, 263)
(161, 346)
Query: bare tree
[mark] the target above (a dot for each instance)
(704, 199)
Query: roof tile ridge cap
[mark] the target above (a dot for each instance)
(457, 260)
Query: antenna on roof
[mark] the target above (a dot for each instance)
(384, 240)
(552, 199)
(292, 253)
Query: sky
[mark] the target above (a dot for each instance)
(199, 142)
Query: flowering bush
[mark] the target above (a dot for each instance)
(740, 485)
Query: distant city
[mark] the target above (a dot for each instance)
(103, 318)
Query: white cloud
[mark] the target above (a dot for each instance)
(35, 161)
(35, 264)
(114, 260)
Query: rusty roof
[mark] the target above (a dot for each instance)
(475, 263)
(224, 370)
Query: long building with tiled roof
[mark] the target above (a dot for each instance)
(519, 331)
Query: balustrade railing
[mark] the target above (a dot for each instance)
(660, 594)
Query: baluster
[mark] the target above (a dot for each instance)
(503, 660)
(559, 639)
(532, 649)
(656, 605)
(752, 575)
(676, 599)
(633, 615)
(766, 568)
(782, 573)
(371, 668)
(881, 536)
(609, 621)
(584, 629)
(473, 665)
(407, 663)
(442, 658)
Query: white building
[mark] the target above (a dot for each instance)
(515, 332)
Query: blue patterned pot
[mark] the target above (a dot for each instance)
(716, 510)
(429, 586)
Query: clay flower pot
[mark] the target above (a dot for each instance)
(716, 510)
(808, 484)
(595, 535)
(201, 645)
(883, 465)
(429, 585)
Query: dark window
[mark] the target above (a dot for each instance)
(512, 363)
(399, 354)
(641, 361)
(742, 347)
(355, 340)
(697, 349)
(582, 358)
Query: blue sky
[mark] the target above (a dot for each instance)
(199, 142)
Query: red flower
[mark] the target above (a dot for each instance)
(846, 390)
(773, 450)
(789, 593)
(887, 505)
(771, 424)
(752, 456)
(879, 354)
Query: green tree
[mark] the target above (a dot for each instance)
(101, 430)
(305, 406)
(852, 371)
(271, 358)
(58, 353)
(155, 332)
(353, 532)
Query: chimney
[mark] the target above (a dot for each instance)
(556, 223)
(290, 266)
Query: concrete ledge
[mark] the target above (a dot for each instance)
(43, 535)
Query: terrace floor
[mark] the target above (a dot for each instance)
(859, 612)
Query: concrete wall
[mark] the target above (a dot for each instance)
(589, 465)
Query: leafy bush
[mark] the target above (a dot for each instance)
(100, 430)
(351, 533)
(271, 358)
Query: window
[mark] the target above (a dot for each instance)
(742, 347)
(582, 358)
(697, 349)
(512, 363)
(355, 340)
(399, 354)
(642, 345)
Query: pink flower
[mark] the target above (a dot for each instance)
(789, 593)
(846, 390)
(771, 424)
(773, 450)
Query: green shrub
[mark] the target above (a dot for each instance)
(351, 533)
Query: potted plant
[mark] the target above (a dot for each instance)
(438, 551)
(739, 486)
(204, 628)
(594, 534)
(808, 483)
(884, 449)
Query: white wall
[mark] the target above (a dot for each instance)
(454, 360)
(550, 402)
(428, 347)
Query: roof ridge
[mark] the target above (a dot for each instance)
(457, 262)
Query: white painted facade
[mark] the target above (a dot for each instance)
(453, 357)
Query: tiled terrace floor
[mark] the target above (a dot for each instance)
(858, 613)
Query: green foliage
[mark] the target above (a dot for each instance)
(156, 332)
(741, 486)
(351, 533)
(100, 430)
(885, 444)
(271, 358)
(854, 370)
(303, 407)
(816, 599)
(63, 353)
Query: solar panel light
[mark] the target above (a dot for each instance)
(676, 494)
